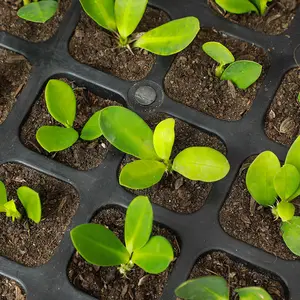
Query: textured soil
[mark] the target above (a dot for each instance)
(10, 290)
(35, 32)
(238, 274)
(276, 20)
(23, 241)
(96, 47)
(83, 155)
(14, 72)
(282, 120)
(242, 218)
(107, 283)
(191, 79)
(174, 191)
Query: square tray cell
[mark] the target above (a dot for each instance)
(11, 290)
(23, 241)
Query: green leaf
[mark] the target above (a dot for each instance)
(11, 210)
(128, 15)
(207, 287)
(295, 195)
(163, 138)
(242, 73)
(30, 199)
(127, 131)
(171, 37)
(98, 245)
(260, 178)
(291, 234)
(285, 211)
(142, 174)
(201, 163)
(261, 5)
(138, 223)
(38, 12)
(91, 129)
(102, 12)
(3, 195)
(55, 138)
(253, 293)
(155, 256)
(218, 52)
(298, 98)
(237, 6)
(293, 156)
(61, 102)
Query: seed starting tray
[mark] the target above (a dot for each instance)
(199, 232)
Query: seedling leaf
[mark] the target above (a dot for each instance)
(3, 195)
(293, 157)
(91, 129)
(285, 211)
(218, 52)
(11, 210)
(291, 233)
(253, 293)
(237, 6)
(261, 5)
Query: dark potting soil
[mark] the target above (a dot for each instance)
(242, 218)
(34, 32)
(14, 72)
(23, 241)
(174, 191)
(282, 120)
(96, 47)
(10, 290)
(191, 79)
(108, 283)
(83, 155)
(277, 19)
(238, 274)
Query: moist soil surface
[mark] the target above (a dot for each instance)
(83, 155)
(276, 20)
(191, 79)
(96, 47)
(242, 218)
(14, 72)
(282, 120)
(237, 274)
(174, 191)
(34, 32)
(108, 283)
(10, 290)
(23, 241)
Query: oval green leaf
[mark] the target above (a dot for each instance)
(291, 233)
(260, 178)
(242, 73)
(261, 5)
(11, 210)
(138, 223)
(155, 256)
(208, 287)
(91, 129)
(201, 163)
(61, 102)
(3, 195)
(218, 52)
(127, 131)
(98, 245)
(102, 12)
(30, 199)
(237, 6)
(285, 211)
(293, 156)
(253, 293)
(171, 37)
(55, 138)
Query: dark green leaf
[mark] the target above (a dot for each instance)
(291, 234)
(218, 52)
(91, 129)
(3, 195)
(237, 6)
(253, 293)
(293, 156)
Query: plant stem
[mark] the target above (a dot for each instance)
(219, 70)
(26, 2)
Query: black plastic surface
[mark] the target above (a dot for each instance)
(198, 232)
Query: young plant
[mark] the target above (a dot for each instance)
(129, 133)
(61, 104)
(121, 17)
(38, 11)
(243, 73)
(216, 288)
(274, 186)
(99, 246)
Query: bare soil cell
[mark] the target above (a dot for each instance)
(96, 47)
(107, 283)
(191, 79)
(23, 241)
(10, 290)
(83, 155)
(14, 72)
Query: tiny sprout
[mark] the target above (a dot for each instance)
(298, 98)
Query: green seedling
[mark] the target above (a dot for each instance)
(129, 133)
(29, 199)
(121, 17)
(274, 186)
(298, 98)
(216, 288)
(100, 246)
(244, 6)
(38, 11)
(243, 73)
(61, 104)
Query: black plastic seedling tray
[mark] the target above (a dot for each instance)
(199, 232)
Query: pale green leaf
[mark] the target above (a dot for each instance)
(293, 156)
(91, 129)
(285, 211)
(11, 210)
(3, 195)
(253, 293)
(291, 234)
(237, 6)
(295, 195)
(218, 52)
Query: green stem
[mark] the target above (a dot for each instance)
(123, 42)
(26, 2)
(219, 70)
